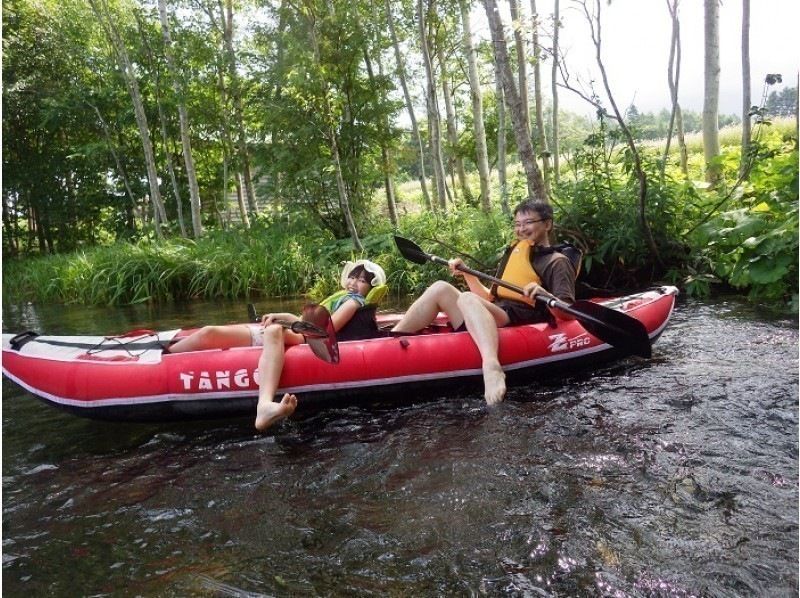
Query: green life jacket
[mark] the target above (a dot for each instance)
(363, 323)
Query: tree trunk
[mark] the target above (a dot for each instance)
(240, 200)
(434, 119)
(228, 152)
(594, 23)
(120, 168)
(711, 91)
(482, 155)
(9, 229)
(162, 120)
(522, 62)
(541, 139)
(502, 171)
(183, 117)
(525, 148)
(554, 88)
(238, 110)
(401, 73)
(386, 167)
(673, 79)
(456, 161)
(138, 108)
(745, 158)
(344, 200)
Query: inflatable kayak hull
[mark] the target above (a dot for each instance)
(129, 378)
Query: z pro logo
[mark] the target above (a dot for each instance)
(559, 342)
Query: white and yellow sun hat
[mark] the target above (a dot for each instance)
(379, 276)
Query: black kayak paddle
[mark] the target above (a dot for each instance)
(316, 327)
(609, 325)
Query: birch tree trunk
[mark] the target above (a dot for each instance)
(227, 151)
(120, 168)
(533, 176)
(554, 88)
(541, 139)
(711, 91)
(388, 184)
(162, 120)
(746, 102)
(159, 213)
(522, 62)
(183, 117)
(456, 161)
(344, 200)
(401, 74)
(673, 79)
(434, 119)
(240, 198)
(502, 171)
(482, 155)
(238, 110)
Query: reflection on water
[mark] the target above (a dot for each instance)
(672, 477)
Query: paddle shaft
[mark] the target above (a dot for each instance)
(296, 327)
(549, 301)
(613, 327)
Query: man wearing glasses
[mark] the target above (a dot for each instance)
(530, 263)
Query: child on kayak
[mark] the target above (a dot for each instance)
(357, 280)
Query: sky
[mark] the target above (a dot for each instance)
(635, 50)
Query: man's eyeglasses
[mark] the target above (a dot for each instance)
(528, 222)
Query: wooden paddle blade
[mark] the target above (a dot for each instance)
(326, 348)
(410, 250)
(614, 327)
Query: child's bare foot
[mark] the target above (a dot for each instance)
(494, 384)
(269, 412)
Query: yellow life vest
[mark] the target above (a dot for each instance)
(519, 272)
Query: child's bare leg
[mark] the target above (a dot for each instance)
(269, 412)
(270, 366)
(214, 337)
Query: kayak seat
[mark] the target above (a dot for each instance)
(363, 324)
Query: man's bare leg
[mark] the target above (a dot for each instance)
(482, 319)
(440, 296)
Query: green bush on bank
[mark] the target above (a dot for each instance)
(270, 259)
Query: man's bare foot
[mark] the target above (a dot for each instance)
(269, 412)
(494, 384)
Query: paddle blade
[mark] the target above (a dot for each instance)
(307, 329)
(614, 327)
(326, 348)
(410, 250)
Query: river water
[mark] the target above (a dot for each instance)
(672, 477)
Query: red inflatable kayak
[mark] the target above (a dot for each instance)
(128, 377)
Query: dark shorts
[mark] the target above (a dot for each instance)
(518, 313)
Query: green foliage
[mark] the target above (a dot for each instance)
(278, 259)
(782, 103)
(307, 75)
(755, 247)
(327, 96)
